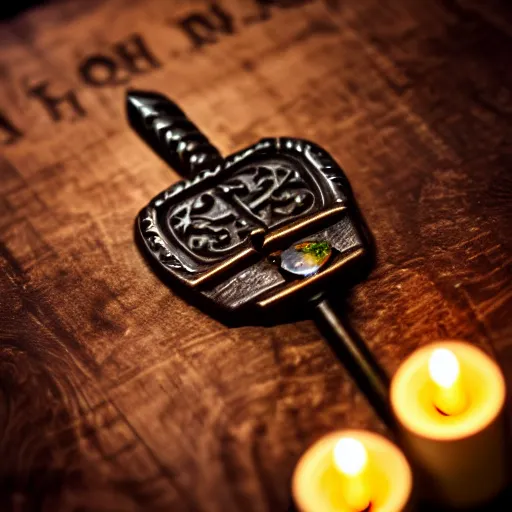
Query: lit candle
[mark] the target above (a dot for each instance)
(352, 471)
(449, 399)
(351, 460)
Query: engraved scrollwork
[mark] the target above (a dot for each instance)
(156, 243)
(218, 220)
(270, 194)
(208, 226)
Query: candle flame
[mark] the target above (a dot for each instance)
(350, 456)
(449, 395)
(444, 367)
(351, 460)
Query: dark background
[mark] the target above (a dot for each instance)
(9, 9)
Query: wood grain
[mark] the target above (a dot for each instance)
(117, 396)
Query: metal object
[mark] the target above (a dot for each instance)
(258, 236)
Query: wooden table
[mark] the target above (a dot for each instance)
(118, 396)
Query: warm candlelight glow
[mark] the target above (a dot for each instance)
(449, 401)
(449, 396)
(352, 471)
(351, 460)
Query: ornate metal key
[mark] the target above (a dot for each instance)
(256, 236)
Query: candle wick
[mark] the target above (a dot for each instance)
(440, 411)
(368, 508)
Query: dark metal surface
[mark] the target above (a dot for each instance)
(219, 233)
(357, 359)
(170, 133)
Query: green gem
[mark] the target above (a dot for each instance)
(306, 258)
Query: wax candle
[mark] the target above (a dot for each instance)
(352, 471)
(449, 401)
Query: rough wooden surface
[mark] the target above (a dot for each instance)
(117, 396)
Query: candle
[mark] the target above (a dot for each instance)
(352, 471)
(449, 400)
